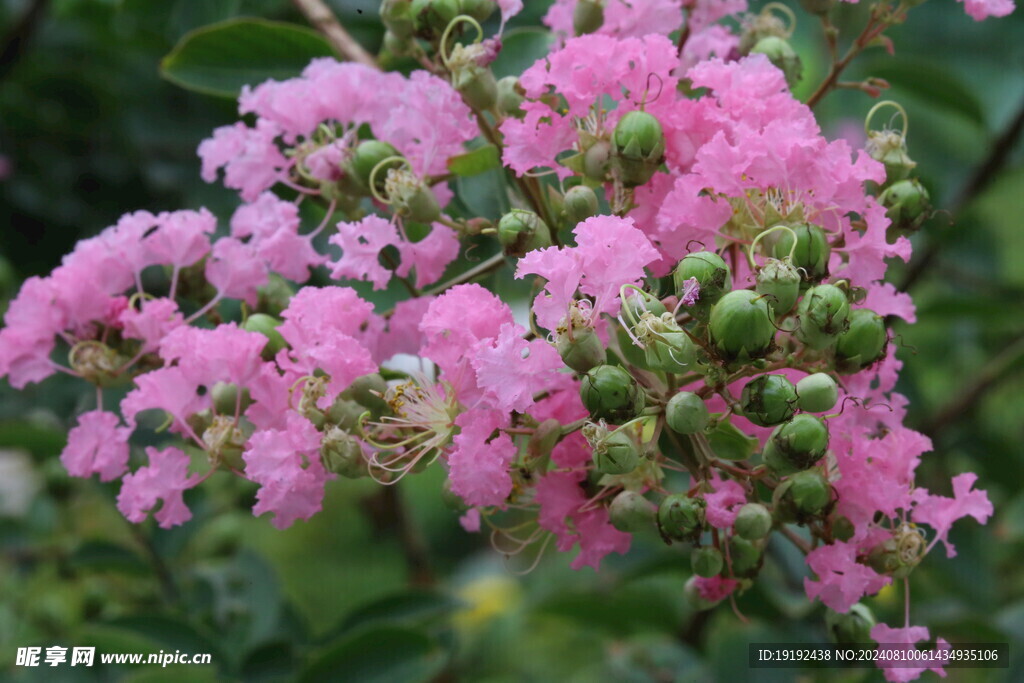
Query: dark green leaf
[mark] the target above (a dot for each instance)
(520, 49)
(107, 556)
(933, 85)
(410, 608)
(381, 654)
(478, 161)
(220, 58)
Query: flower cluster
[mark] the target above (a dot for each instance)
(706, 355)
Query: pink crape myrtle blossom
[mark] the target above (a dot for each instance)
(940, 512)
(165, 479)
(622, 18)
(478, 465)
(842, 581)
(97, 445)
(906, 638)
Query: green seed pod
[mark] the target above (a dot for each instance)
(544, 439)
(225, 399)
(344, 413)
(706, 561)
(267, 326)
(365, 158)
(581, 352)
(899, 555)
(811, 254)
(686, 413)
(741, 326)
(610, 393)
(666, 346)
(398, 47)
(475, 83)
(580, 204)
(680, 517)
(796, 445)
(342, 454)
(753, 522)
(745, 556)
(768, 400)
(636, 303)
(98, 363)
(410, 197)
(842, 528)
(481, 10)
(587, 16)
(802, 496)
(596, 160)
(780, 282)
(631, 512)
(852, 628)
(907, 203)
(521, 231)
(397, 17)
(890, 148)
(824, 315)
(863, 344)
(510, 97)
(617, 453)
(817, 393)
(760, 26)
(780, 53)
(368, 391)
(431, 17)
(638, 147)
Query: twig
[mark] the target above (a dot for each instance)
(794, 539)
(321, 16)
(476, 271)
(387, 510)
(163, 573)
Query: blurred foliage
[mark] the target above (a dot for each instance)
(90, 130)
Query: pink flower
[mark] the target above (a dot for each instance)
(902, 639)
(511, 370)
(622, 18)
(165, 478)
(273, 228)
(164, 389)
(724, 503)
(691, 292)
(478, 465)
(181, 238)
(97, 445)
(940, 512)
(361, 244)
(236, 270)
(430, 256)
(842, 581)
(509, 8)
(225, 353)
(251, 160)
(714, 589)
(983, 9)
(151, 322)
(286, 464)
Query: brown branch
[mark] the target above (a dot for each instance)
(321, 17)
(874, 28)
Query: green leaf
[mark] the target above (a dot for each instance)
(414, 607)
(220, 58)
(381, 654)
(101, 555)
(478, 161)
(37, 438)
(932, 84)
(520, 49)
(169, 633)
(730, 443)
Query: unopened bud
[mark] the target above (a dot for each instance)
(753, 522)
(431, 17)
(907, 204)
(342, 454)
(817, 393)
(745, 556)
(596, 160)
(580, 204)
(267, 326)
(510, 97)
(587, 16)
(617, 452)
(741, 326)
(811, 254)
(780, 282)
(481, 10)
(768, 400)
(521, 231)
(802, 496)
(638, 147)
(796, 445)
(365, 158)
(681, 518)
(863, 344)
(631, 512)
(711, 273)
(824, 314)
(780, 53)
(852, 628)
(686, 413)
(397, 17)
(226, 399)
(706, 561)
(610, 393)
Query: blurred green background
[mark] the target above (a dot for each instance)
(385, 585)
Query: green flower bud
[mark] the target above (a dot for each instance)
(267, 326)
(842, 528)
(618, 452)
(521, 231)
(544, 439)
(410, 197)
(863, 344)
(741, 326)
(225, 441)
(596, 160)
(680, 517)
(397, 17)
(907, 204)
(274, 296)
(344, 413)
(631, 512)
(817, 393)
(753, 522)
(225, 399)
(852, 628)
(897, 556)
(686, 413)
(811, 254)
(587, 16)
(758, 27)
(98, 363)
(796, 445)
(510, 97)
(481, 10)
(780, 53)
(638, 147)
(666, 346)
(636, 303)
(580, 204)
(768, 400)
(475, 83)
(398, 47)
(368, 391)
(582, 351)
(365, 158)
(431, 17)
(824, 315)
(745, 556)
(780, 282)
(890, 148)
(342, 454)
(706, 561)
(610, 393)
(802, 496)
(711, 273)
